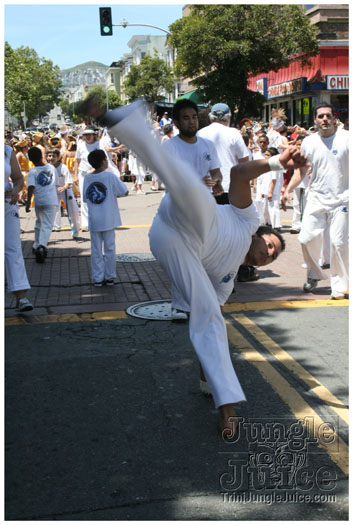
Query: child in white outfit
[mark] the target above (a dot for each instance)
(42, 182)
(65, 193)
(100, 190)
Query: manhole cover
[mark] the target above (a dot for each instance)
(134, 257)
(156, 310)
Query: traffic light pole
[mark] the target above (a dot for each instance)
(124, 23)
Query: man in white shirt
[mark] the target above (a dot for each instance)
(231, 150)
(229, 144)
(191, 235)
(199, 153)
(327, 201)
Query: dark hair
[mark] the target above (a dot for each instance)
(181, 104)
(245, 138)
(273, 151)
(324, 105)
(96, 157)
(34, 154)
(263, 136)
(268, 230)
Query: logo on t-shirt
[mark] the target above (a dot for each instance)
(45, 177)
(96, 192)
(207, 156)
(228, 277)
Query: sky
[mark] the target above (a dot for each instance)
(69, 33)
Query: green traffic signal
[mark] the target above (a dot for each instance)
(105, 18)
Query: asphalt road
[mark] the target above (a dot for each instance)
(105, 421)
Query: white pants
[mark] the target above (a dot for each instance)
(71, 207)
(84, 207)
(178, 248)
(15, 269)
(103, 266)
(44, 224)
(299, 202)
(325, 249)
(274, 213)
(314, 223)
(263, 211)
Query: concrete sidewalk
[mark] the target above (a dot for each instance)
(63, 283)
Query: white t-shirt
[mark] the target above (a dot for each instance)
(329, 159)
(229, 145)
(45, 180)
(83, 150)
(227, 243)
(258, 155)
(275, 139)
(100, 191)
(201, 155)
(64, 175)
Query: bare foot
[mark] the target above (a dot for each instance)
(228, 421)
(202, 375)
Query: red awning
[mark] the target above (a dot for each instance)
(330, 61)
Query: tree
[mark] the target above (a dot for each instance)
(220, 46)
(31, 80)
(149, 79)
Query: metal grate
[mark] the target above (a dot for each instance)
(134, 257)
(153, 310)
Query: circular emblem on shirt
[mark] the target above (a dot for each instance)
(45, 177)
(335, 151)
(96, 192)
(228, 277)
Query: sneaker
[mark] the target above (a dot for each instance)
(56, 229)
(23, 305)
(140, 192)
(338, 295)
(109, 282)
(325, 266)
(41, 254)
(310, 285)
(247, 273)
(179, 315)
(294, 231)
(99, 284)
(74, 235)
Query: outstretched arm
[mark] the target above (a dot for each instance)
(242, 174)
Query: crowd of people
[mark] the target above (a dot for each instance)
(219, 220)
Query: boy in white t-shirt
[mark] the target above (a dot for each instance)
(42, 183)
(100, 190)
(65, 193)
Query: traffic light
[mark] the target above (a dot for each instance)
(105, 17)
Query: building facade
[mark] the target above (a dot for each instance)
(298, 89)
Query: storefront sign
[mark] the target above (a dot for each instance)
(337, 81)
(261, 86)
(286, 88)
